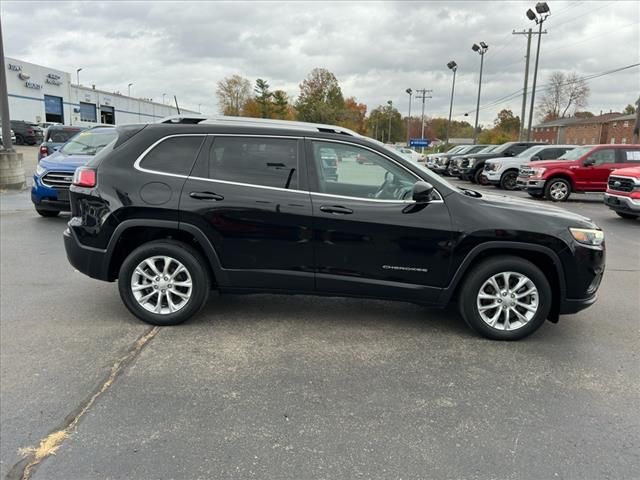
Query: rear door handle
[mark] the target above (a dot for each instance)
(206, 196)
(336, 209)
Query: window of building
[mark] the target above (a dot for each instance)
(173, 155)
(88, 112)
(625, 124)
(613, 140)
(269, 162)
(624, 140)
(359, 173)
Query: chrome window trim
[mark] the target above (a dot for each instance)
(138, 160)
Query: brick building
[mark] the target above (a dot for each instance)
(607, 128)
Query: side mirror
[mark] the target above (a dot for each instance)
(535, 158)
(588, 162)
(421, 192)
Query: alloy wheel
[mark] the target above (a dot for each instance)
(161, 285)
(559, 190)
(507, 301)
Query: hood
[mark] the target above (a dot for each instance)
(627, 172)
(503, 159)
(551, 163)
(532, 207)
(63, 161)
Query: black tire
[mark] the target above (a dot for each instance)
(557, 183)
(536, 194)
(628, 216)
(19, 140)
(474, 281)
(508, 180)
(477, 177)
(190, 259)
(47, 213)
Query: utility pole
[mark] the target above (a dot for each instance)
(543, 13)
(424, 94)
(636, 130)
(528, 33)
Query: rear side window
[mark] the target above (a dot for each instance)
(269, 162)
(631, 156)
(174, 155)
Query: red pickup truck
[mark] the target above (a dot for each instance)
(623, 192)
(583, 169)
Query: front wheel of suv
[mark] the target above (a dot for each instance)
(508, 181)
(164, 282)
(505, 298)
(557, 190)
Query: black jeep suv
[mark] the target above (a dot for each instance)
(173, 210)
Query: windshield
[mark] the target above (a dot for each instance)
(530, 152)
(488, 149)
(576, 153)
(61, 135)
(89, 142)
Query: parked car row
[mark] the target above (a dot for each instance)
(552, 172)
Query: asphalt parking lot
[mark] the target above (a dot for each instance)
(300, 387)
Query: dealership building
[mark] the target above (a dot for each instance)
(42, 94)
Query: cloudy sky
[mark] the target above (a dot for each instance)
(376, 49)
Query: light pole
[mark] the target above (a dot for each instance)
(78, 70)
(129, 89)
(543, 13)
(452, 66)
(199, 105)
(482, 49)
(410, 92)
(163, 95)
(390, 103)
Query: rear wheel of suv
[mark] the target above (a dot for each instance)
(557, 190)
(505, 298)
(164, 282)
(47, 213)
(508, 180)
(19, 139)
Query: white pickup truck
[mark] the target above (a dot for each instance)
(503, 171)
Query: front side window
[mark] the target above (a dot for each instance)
(261, 161)
(607, 155)
(352, 171)
(174, 155)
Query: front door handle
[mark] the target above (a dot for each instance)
(206, 196)
(336, 209)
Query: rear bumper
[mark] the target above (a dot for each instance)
(90, 261)
(621, 203)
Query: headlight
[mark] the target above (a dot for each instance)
(471, 162)
(588, 236)
(495, 166)
(40, 170)
(537, 172)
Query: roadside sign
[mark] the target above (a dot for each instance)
(419, 142)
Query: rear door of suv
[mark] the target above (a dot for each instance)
(370, 238)
(247, 194)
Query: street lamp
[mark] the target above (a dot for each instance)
(78, 70)
(452, 66)
(390, 103)
(410, 92)
(543, 13)
(481, 50)
(129, 89)
(163, 95)
(199, 105)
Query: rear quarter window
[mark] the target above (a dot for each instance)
(174, 155)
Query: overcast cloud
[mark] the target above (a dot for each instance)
(376, 49)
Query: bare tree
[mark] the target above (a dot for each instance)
(565, 94)
(233, 92)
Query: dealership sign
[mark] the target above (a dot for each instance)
(53, 79)
(34, 85)
(14, 67)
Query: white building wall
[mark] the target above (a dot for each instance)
(26, 97)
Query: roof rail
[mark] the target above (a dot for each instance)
(258, 122)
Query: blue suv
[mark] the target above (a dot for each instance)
(54, 173)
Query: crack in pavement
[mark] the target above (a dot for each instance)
(48, 446)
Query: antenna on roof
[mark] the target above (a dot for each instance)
(176, 99)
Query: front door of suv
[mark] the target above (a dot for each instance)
(246, 193)
(370, 238)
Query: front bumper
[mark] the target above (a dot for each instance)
(88, 260)
(492, 176)
(529, 183)
(621, 203)
(48, 198)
